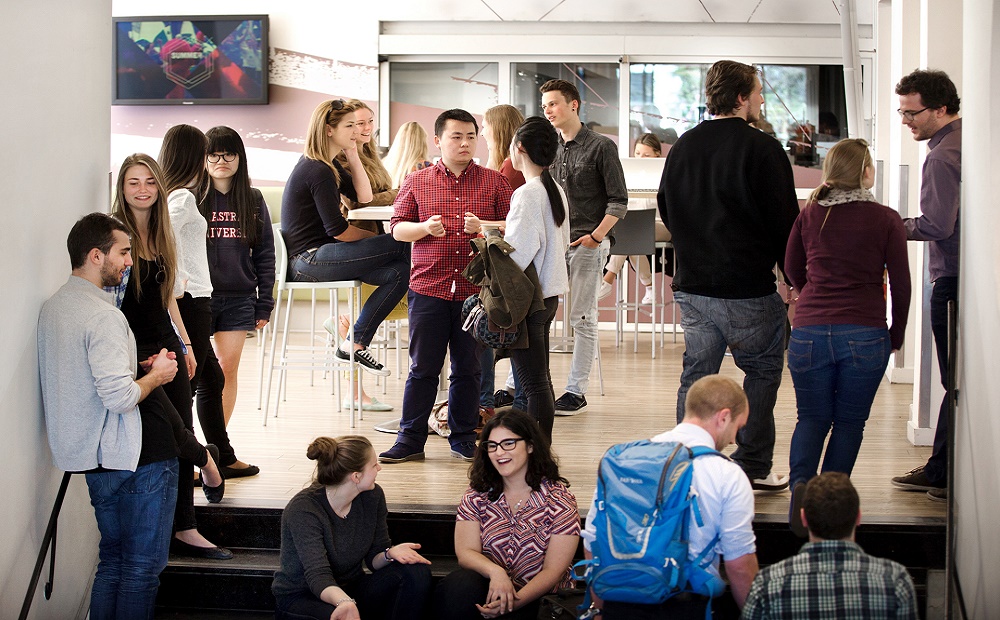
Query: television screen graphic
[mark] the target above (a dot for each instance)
(220, 60)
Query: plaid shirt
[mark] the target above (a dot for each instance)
(438, 261)
(831, 579)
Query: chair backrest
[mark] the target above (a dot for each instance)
(280, 257)
(272, 196)
(635, 234)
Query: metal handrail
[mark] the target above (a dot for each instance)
(48, 544)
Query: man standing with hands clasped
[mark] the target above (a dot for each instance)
(440, 209)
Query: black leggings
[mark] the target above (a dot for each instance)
(208, 379)
(394, 592)
(532, 367)
(456, 597)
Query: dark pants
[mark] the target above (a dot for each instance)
(208, 379)
(531, 366)
(394, 592)
(179, 393)
(456, 597)
(945, 290)
(380, 260)
(436, 328)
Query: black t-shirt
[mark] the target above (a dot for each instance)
(310, 205)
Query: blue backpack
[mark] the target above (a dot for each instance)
(642, 514)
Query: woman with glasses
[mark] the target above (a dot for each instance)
(517, 530)
(322, 245)
(839, 251)
(150, 306)
(241, 264)
(332, 531)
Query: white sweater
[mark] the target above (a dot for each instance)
(536, 238)
(191, 235)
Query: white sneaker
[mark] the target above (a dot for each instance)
(772, 483)
(330, 325)
(648, 297)
(605, 290)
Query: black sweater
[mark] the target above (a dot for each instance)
(320, 549)
(728, 198)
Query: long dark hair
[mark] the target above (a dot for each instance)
(242, 199)
(182, 160)
(542, 464)
(538, 138)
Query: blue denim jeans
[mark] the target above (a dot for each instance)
(380, 261)
(836, 370)
(135, 512)
(436, 329)
(487, 361)
(754, 330)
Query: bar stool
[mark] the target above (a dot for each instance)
(635, 235)
(311, 356)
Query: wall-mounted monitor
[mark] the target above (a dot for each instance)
(190, 60)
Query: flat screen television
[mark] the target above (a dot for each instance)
(219, 59)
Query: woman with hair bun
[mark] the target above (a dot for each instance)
(517, 530)
(329, 529)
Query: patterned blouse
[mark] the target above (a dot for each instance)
(518, 542)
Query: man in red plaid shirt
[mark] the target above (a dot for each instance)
(440, 209)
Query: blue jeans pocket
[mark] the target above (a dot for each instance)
(869, 354)
(799, 355)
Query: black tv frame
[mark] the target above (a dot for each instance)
(265, 61)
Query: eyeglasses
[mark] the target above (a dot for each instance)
(213, 158)
(910, 115)
(161, 272)
(506, 444)
(335, 106)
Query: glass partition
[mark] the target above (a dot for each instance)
(598, 84)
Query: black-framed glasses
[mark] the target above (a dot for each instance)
(910, 115)
(213, 158)
(335, 106)
(506, 444)
(161, 272)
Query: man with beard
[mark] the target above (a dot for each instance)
(728, 197)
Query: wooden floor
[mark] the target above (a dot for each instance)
(639, 401)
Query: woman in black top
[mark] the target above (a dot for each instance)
(322, 246)
(149, 306)
(330, 529)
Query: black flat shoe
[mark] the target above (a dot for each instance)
(179, 547)
(214, 494)
(232, 472)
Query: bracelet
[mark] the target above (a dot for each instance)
(385, 554)
(346, 599)
(188, 344)
(594, 239)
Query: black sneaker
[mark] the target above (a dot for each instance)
(938, 495)
(914, 480)
(570, 404)
(465, 450)
(400, 453)
(367, 361)
(503, 398)
(795, 511)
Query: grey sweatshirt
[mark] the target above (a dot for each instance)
(87, 365)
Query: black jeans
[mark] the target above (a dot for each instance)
(394, 592)
(179, 393)
(456, 597)
(531, 366)
(208, 379)
(945, 290)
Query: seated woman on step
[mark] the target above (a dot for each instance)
(329, 529)
(517, 530)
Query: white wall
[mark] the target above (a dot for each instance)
(55, 126)
(977, 466)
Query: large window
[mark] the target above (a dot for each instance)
(598, 84)
(420, 91)
(803, 104)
